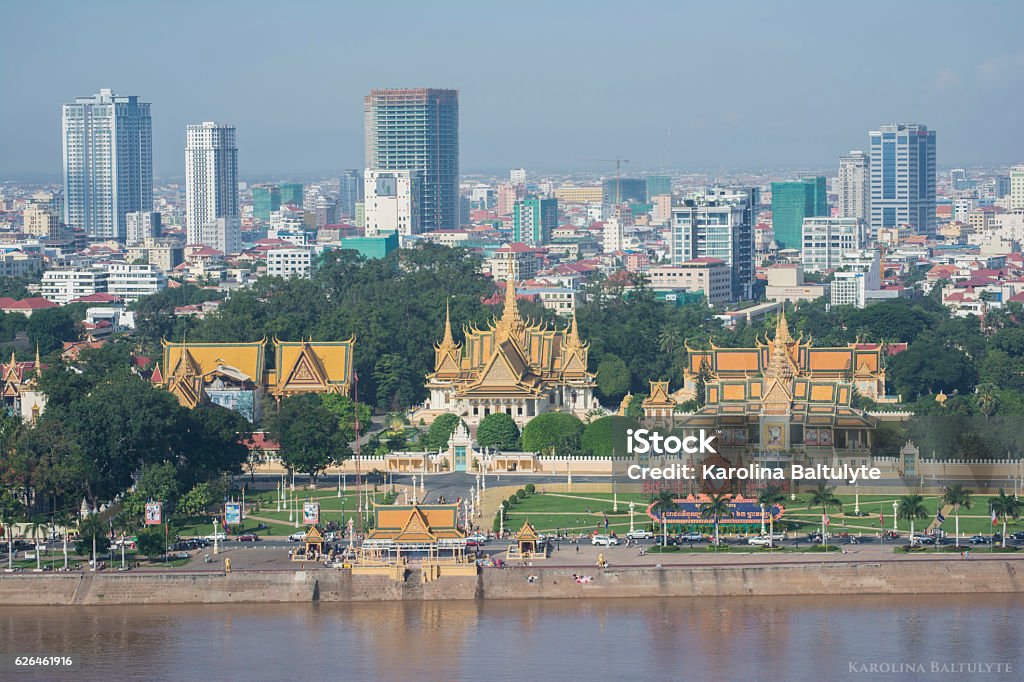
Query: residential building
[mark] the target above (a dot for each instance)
(623, 190)
(559, 300)
(902, 171)
(825, 240)
(265, 200)
(292, 193)
(859, 275)
(710, 276)
(854, 186)
(164, 254)
(288, 263)
(574, 194)
(517, 176)
(65, 284)
(141, 225)
(132, 281)
(534, 220)
(40, 221)
(108, 162)
(1017, 187)
(417, 129)
(212, 216)
(786, 284)
(350, 191)
(515, 261)
(507, 196)
(717, 223)
(791, 203)
(20, 264)
(392, 201)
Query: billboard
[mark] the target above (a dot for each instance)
(153, 514)
(741, 510)
(311, 513)
(232, 513)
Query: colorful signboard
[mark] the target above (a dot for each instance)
(154, 514)
(311, 513)
(232, 513)
(741, 510)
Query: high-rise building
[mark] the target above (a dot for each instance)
(508, 194)
(391, 201)
(39, 221)
(620, 190)
(211, 187)
(534, 220)
(791, 203)
(902, 170)
(718, 223)
(517, 176)
(292, 193)
(108, 162)
(350, 192)
(859, 276)
(854, 191)
(141, 225)
(658, 185)
(417, 129)
(1016, 187)
(826, 239)
(265, 200)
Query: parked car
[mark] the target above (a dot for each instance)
(604, 540)
(1019, 535)
(760, 541)
(692, 536)
(219, 536)
(297, 536)
(640, 534)
(922, 540)
(478, 538)
(248, 537)
(978, 540)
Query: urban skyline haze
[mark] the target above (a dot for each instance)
(548, 87)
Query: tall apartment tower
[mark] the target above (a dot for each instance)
(902, 171)
(1017, 187)
(534, 219)
(718, 223)
(791, 203)
(108, 162)
(417, 129)
(211, 187)
(854, 191)
(350, 191)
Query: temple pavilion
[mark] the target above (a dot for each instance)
(429, 531)
(237, 375)
(784, 401)
(515, 366)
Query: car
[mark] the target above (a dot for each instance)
(760, 541)
(297, 536)
(604, 540)
(478, 538)
(640, 534)
(692, 536)
(978, 540)
(1019, 535)
(922, 540)
(129, 543)
(248, 537)
(219, 536)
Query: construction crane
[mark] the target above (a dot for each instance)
(618, 161)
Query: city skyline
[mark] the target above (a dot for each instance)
(298, 112)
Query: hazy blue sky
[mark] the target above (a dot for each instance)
(547, 85)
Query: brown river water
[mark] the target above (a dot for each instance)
(763, 638)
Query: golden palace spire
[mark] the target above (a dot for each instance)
(448, 341)
(510, 322)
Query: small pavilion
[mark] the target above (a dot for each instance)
(528, 545)
(430, 532)
(314, 546)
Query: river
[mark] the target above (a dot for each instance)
(723, 639)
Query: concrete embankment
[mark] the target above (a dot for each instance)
(833, 578)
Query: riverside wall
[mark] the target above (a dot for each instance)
(832, 578)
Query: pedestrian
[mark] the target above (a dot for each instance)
(577, 548)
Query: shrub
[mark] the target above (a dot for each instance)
(512, 499)
(520, 493)
(530, 488)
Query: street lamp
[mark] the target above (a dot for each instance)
(631, 506)
(214, 534)
(762, 520)
(895, 509)
(856, 499)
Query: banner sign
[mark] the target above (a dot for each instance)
(154, 514)
(232, 513)
(311, 513)
(741, 510)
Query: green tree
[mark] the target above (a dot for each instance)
(911, 507)
(152, 541)
(498, 430)
(159, 483)
(664, 502)
(715, 508)
(1003, 506)
(613, 378)
(50, 328)
(396, 385)
(441, 430)
(196, 501)
(92, 532)
(558, 430)
(308, 434)
(770, 496)
(344, 408)
(607, 435)
(960, 497)
(823, 496)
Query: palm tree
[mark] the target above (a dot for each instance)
(716, 508)
(665, 502)
(124, 523)
(7, 520)
(91, 527)
(911, 507)
(669, 339)
(769, 497)
(824, 496)
(960, 498)
(37, 528)
(1004, 505)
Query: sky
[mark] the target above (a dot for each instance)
(549, 86)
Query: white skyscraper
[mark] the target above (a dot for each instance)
(211, 187)
(854, 192)
(902, 171)
(108, 162)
